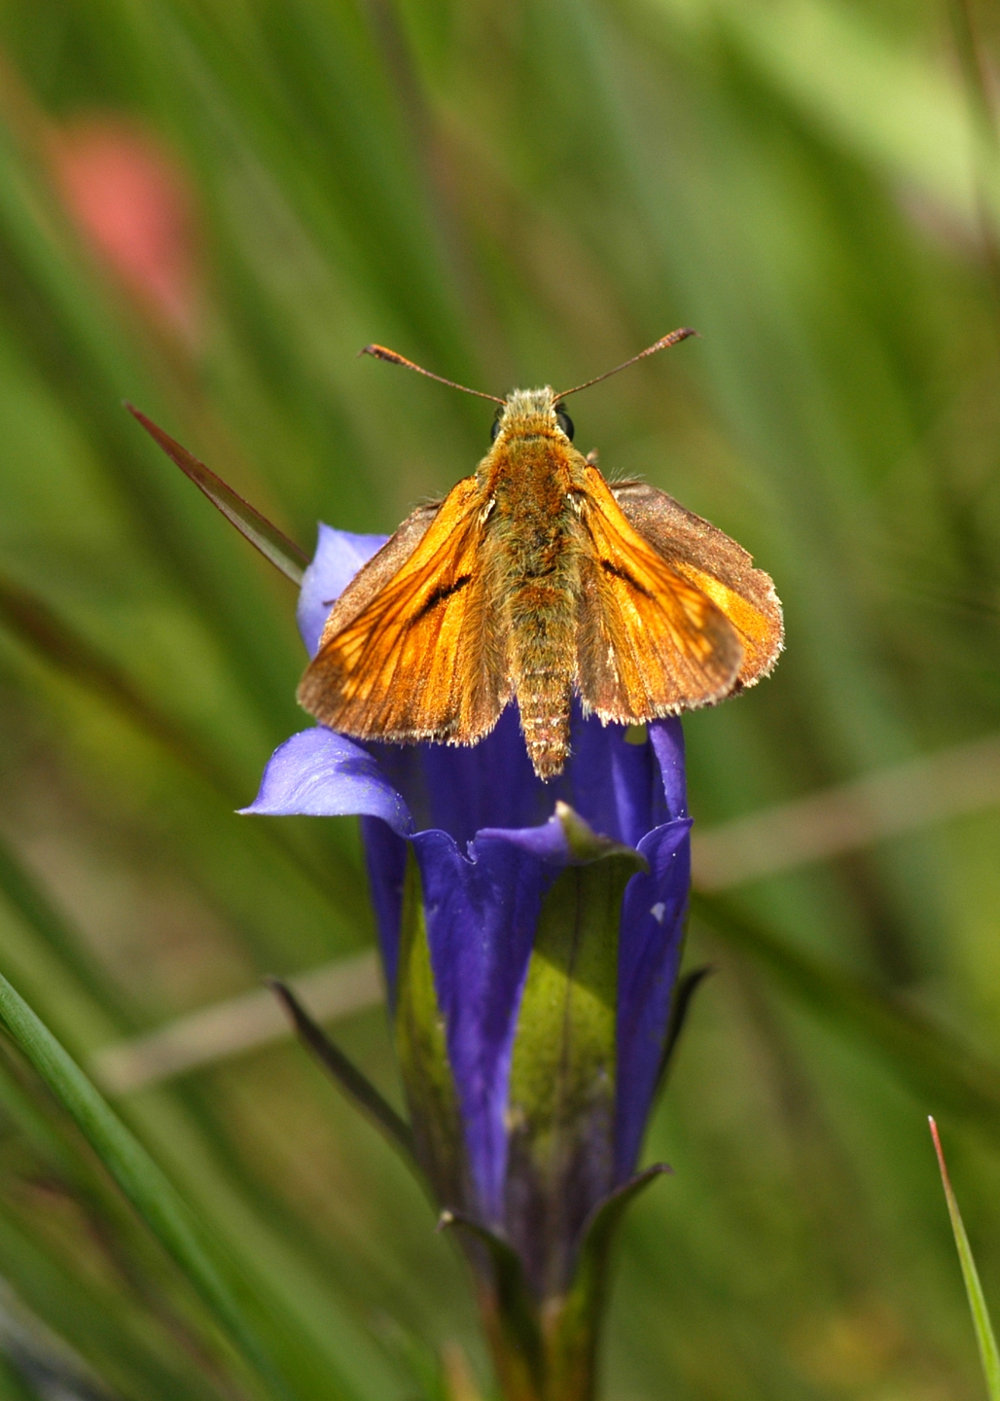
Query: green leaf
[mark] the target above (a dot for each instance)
(977, 1303)
(283, 553)
(29, 901)
(142, 1182)
(128, 1335)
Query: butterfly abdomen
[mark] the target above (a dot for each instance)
(542, 614)
(542, 675)
(536, 530)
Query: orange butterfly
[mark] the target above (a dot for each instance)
(535, 579)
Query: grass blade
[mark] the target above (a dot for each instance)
(142, 1182)
(977, 1304)
(283, 553)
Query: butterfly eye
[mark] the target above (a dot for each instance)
(495, 427)
(565, 422)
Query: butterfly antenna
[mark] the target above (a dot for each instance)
(679, 335)
(381, 353)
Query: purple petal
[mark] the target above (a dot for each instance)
(385, 857)
(622, 790)
(321, 774)
(619, 787)
(481, 918)
(460, 789)
(547, 844)
(666, 737)
(339, 555)
(652, 934)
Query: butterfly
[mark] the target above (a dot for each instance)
(535, 580)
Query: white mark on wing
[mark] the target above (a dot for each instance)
(658, 911)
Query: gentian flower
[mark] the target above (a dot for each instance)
(531, 935)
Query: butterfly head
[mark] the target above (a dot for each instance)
(532, 413)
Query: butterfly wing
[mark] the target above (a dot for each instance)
(415, 650)
(716, 565)
(377, 571)
(650, 641)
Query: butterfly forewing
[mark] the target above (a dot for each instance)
(384, 563)
(421, 658)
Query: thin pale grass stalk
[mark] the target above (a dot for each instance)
(975, 69)
(239, 1024)
(850, 816)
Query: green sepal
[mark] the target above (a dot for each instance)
(546, 1350)
(561, 1103)
(687, 985)
(586, 845)
(598, 1234)
(421, 1046)
(572, 1324)
(352, 1081)
(276, 547)
(507, 1306)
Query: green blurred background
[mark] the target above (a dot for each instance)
(207, 208)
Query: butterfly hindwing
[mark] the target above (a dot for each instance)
(716, 565)
(650, 641)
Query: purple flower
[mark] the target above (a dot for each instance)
(492, 860)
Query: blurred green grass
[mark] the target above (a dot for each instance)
(509, 194)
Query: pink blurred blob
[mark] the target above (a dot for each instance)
(134, 204)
